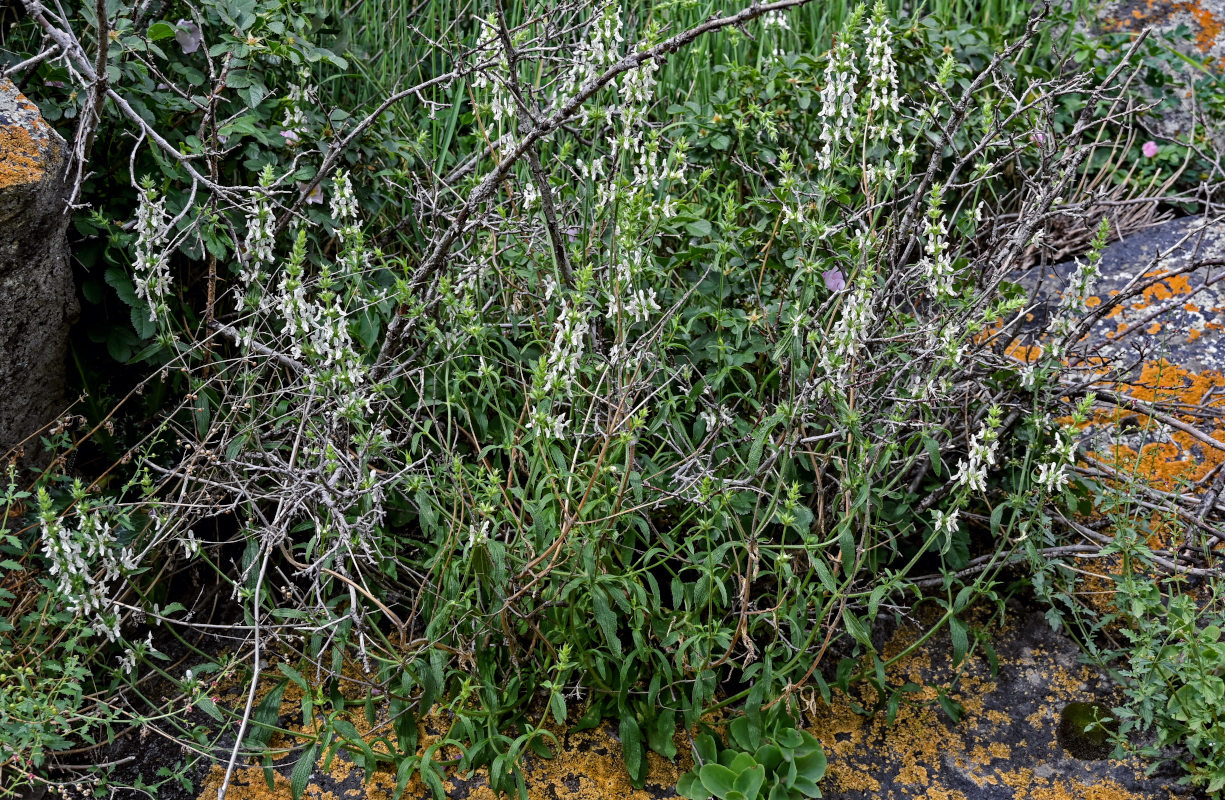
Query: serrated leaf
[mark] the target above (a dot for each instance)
(265, 716)
(961, 641)
(293, 675)
(698, 227)
(632, 750)
(302, 772)
(606, 620)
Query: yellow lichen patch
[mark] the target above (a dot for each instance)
(22, 157)
(587, 766)
(918, 755)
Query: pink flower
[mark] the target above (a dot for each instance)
(834, 280)
(316, 195)
(188, 35)
(290, 136)
(1149, 149)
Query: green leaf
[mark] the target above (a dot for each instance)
(749, 782)
(118, 280)
(717, 779)
(759, 444)
(210, 708)
(158, 31)
(606, 620)
(293, 675)
(951, 707)
(738, 731)
(691, 786)
(961, 642)
(769, 756)
(302, 772)
(264, 718)
(632, 749)
(933, 452)
(813, 764)
(698, 227)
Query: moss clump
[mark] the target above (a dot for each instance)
(1085, 730)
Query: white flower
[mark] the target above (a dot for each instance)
(945, 523)
(641, 304)
(882, 96)
(837, 111)
(127, 661)
(151, 273)
(971, 474)
(775, 19)
(1052, 477)
(191, 545)
(344, 204)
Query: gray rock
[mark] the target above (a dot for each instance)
(37, 296)
(1179, 317)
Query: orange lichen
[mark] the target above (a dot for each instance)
(22, 157)
(1208, 26)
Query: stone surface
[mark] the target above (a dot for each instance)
(1170, 335)
(1179, 318)
(1205, 19)
(37, 296)
(1009, 743)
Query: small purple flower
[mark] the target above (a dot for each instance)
(290, 136)
(188, 35)
(1149, 149)
(835, 281)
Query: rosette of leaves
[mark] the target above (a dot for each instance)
(785, 766)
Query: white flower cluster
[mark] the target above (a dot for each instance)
(1075, 299)
(972, 472)
(882, 98)
(837, 112)
(291, 303)
(641, 304)
(945, 522)
(295, 121)
(344, 203)
(600, 50)
(847, 336)
(127, 661)
(83, 559)
(776, 20)
(568, 347)
(151, 273)
(1052, 474)
(936, 262)
(258, 244)
(501, 103)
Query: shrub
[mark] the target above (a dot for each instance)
(653, 403)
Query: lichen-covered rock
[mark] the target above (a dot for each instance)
(37, 296)
(1167, 339)
(1204, 19)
